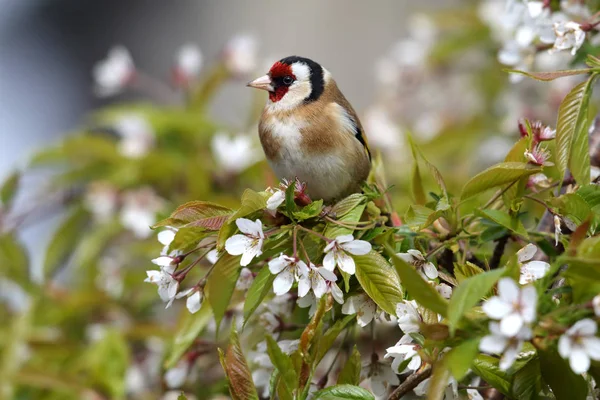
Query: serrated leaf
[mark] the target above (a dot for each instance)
(504, 219)
(350, 373)
(573, 206)
(65, 240)
(348, 204)
(487, 368)
(565, 384)
(340, 392)
(468, 293)
(460, 358)
(333, 230)
(283, 363)
(516, 154)
(260, 288)
(379, 280)
(312, 210)
(416, 183)
(221, 284)
(236, 369)
(497, 175)
(421, 217)
(198, 213)
(9, 189)
(421, 291)
(14, 260)
(550, 76)
(251, 202)
(572, 147)
(330, 335)
(190, 328)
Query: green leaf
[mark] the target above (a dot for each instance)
(416, 183)
(504, 219)
(550, 76)
(251, 202)
(572, 148)
(515, 154)
(497, 175)
(106, 360)
(190, 328)
(421, 217)
(527, 382)
(582, 268)
(468, 293)
(290, 193)
(312, 210)
(65, 240)
(260, 288)
(188, 238)
(350, 373)
(379, 280)
(437, 176)
(348, 204)
(283, 364)
(333, 230)
(460, 358)
(565, 384)
(330, 336)
(343, 392)
(487, 368)
(421, 291)
(14, 261)
(9, 189)
(573, 206)
(221, 284)
(238, 374)
(198, 213)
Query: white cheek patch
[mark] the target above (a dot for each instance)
(301, 72)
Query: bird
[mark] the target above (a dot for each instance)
(309, 130)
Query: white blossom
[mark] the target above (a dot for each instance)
(188, 62)
(113, 73)
(380, 377)
(166, 237)
(249, 243)
(167, 285)
(137, 136)
(509, 346)
(288, 269)
(275, 200)
(531, 270)
(194, 299)
(336, 253)
(444, 290)
(569, 35)
(596, 305)
(101, 199)
(316, 279)
(335, 291)
(139, 210)
(175, 377)
(513, 306)
(309, 301)
(240, 55)
(234, 153)
(362, 306)
(404, 350)
(269, 321)
(409, 319)
(384, 133)
(579, 344)
(415, 258)
(212, 256)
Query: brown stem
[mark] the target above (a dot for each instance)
(498, 252)
(410, 383)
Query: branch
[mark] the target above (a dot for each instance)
(410, 383)
(498, 252)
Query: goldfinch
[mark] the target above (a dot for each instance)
(309, 130)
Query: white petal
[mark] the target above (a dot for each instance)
(596, 304)
(584, 327)
(493, 344)
(564, 346)
(237, 244)
(184, 293)
(344, 239)
(357, 247)
(509, 357)
(579, 361)
(378, 388)
(212, 256)
(247, 226)
(303, 286)
(275, 200)
(528, 302)
(406, 257)
(249, 254)
(153, 276)
(163, 261)
(526, 253)
(337, 293)
(329, 246)
(283, 283)
(346, 263)
(350, 306)
(318, 285)
(166, 237)
(194, 302)
(329, 261)
(278, 264)
(327, 274)
(430, 270)
(302, 267)
(496, 308)
(508, 290)
(511, 324)
(592, 347)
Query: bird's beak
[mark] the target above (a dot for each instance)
(264, 83)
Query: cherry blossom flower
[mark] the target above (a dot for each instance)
(175, 377)
(362, 306)
(531, 270)
(139, 210)
(444, 290)
(538, 156)
(276, 199)
(249, 243)
(380, 377)
(509, 346)
(539, 131)
(384, 133)
(409, 319)
(166, 237)
(288, 269)
(316, 279)
(579, 344)
(188, 63)
(403, 350)
(113, 73)
(596, 305)
(335, 291)
(513, 306)
(101, 199)
(569, 35)
(137, 136)
(194, 299)
(239, 55)
(212, 256)
(415, 258)
(336, 253)
(167, 285)
(309, 301)
(244, 280)
(234, 153)
(269, 321)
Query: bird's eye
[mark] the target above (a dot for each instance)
(287, 80)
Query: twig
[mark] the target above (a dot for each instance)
(410, 383)
(498, 252)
